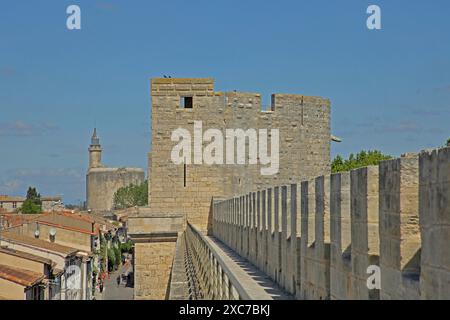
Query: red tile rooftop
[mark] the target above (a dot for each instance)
(5, 198)
(26, 255)
(23, 277)
(9, 236)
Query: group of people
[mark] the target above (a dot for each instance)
(123, 276)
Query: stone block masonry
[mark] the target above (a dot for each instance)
(155, 238)
(434, 216)
(153, 268)
(303, 123)
(323, 234)
(103, 182)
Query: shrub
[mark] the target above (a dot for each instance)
(362, 159)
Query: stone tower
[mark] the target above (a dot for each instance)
(186, 190)
(103, 182)
(304, 145)
(95, 151)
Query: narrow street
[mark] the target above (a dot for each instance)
(113, 291)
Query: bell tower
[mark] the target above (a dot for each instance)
(95, 152)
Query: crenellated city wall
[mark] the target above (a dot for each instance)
(378, 232)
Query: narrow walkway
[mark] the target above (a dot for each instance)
(258, 285)
(113, 291)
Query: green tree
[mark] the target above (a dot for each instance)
(33, 203)
(118, 256)
(126, 247)
(103, 253)
(111, 259)
(362, 159)
(131, 196)
(448, 142)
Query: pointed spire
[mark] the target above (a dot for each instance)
(95, 141)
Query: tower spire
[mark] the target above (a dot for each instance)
(95, 141)
(95, 151)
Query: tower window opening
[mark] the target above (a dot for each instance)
(303, 111)
(186, 102)
(184, 175)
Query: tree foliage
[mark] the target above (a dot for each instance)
(112, 262)
(448, 142)
(118, 255)
(131, 196)
(126, 247)
(33, 203)
(362, 159)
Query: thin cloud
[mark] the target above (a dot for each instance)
(50, 173)
(21, 128)
(7, 72)
(68, 182)
(443, 89)
(429, 111)
(381, 126)
(106, 6)
(10, 187)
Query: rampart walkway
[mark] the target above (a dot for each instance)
(226, 276)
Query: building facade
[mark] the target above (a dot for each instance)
(11, 204)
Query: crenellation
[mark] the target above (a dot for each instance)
(223, 111)
(316, 235)
(393, 217)
(340, 237)
(434, 215)
(399, 227)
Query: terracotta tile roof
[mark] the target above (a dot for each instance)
(26, 255)
(84, 217)
(50, 224)
(14, 219)
(5, 198)
(9, 236)
(51, 198)
(23, 277)
(57, 272)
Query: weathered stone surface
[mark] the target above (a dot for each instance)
(395, 216)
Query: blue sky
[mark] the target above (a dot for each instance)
(390, 89)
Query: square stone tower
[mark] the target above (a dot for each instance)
(188, 188)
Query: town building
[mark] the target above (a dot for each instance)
(72, 267)
(78, 230)
(12, 204)
(20, 284)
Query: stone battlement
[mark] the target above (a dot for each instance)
(326, 237)
(175, 88)
(304, 143)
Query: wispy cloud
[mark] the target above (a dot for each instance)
(406, 126)
(383, 126)
(21, 128)
(7, 72)
(10, 187)
(106, 6)
(49, 173)
(428, 110)
(59, 181)
(443, 89)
